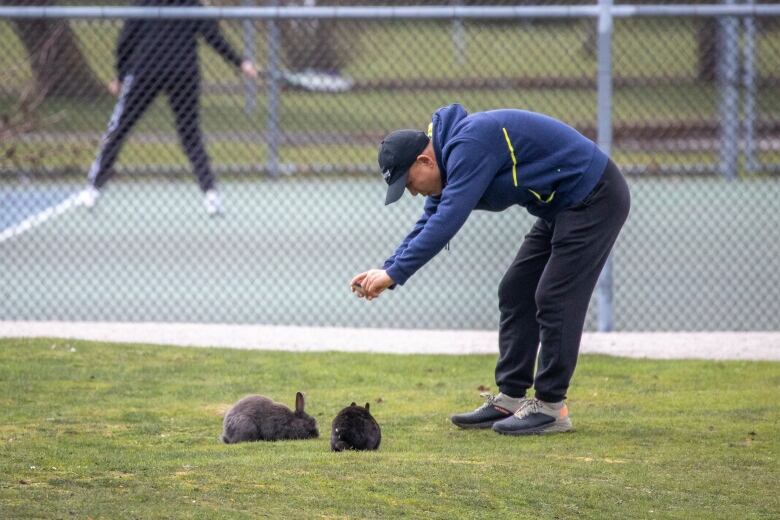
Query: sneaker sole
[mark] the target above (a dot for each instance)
(476, 426)
(556, 427)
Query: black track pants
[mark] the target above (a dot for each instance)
(544, 295)
(137, 94)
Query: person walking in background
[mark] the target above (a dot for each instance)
(160, 55)
(493, 161)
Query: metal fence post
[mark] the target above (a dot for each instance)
(604, 80)
(728, 46)
(273, 90)
(250, 86)
(458, 37)
(749, 85)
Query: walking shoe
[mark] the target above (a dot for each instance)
(496, 407)
(213, 203)
(535, 416)
(88, 197)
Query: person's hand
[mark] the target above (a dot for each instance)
(115, 87)
(370, 284)
(248, 68)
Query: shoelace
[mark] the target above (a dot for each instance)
(528, 407)
(489, 399)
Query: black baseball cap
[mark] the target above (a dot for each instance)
(397, 154)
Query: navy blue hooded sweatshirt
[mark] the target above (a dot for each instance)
(493, 160)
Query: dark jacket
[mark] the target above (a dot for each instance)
(167, 47)
(491, 161)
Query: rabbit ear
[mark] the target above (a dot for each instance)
(353, 403)
(299, 402)
(366, 406)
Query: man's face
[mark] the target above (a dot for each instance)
(424, 177)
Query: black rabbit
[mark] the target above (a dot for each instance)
(355, 429)
(258, 418)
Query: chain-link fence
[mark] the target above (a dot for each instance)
(693, 101)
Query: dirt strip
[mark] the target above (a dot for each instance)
(655, 345)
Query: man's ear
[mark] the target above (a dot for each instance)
(425, 159)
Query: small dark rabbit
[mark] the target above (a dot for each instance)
(355, 429)
(258, 418)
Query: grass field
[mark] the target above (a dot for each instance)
(108, 431)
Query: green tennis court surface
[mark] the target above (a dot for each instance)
(694, 255)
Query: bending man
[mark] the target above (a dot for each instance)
(492, 161)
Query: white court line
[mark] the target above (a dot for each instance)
(655, 345)
(41, 217)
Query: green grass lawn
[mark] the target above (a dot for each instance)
(130, 431)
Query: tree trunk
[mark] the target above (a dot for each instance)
(707, 53)
(59, 67)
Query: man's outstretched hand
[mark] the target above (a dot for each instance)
(370, 284)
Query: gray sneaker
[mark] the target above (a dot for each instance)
(535, 416)
(496, 408)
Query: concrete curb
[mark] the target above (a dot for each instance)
(653, 345)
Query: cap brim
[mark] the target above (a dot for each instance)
(396, 189)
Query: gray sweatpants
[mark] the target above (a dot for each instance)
(544, 295)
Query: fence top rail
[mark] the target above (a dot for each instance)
(380, 12)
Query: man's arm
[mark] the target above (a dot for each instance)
(470, 170)
(213, 36)
(431, 203)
